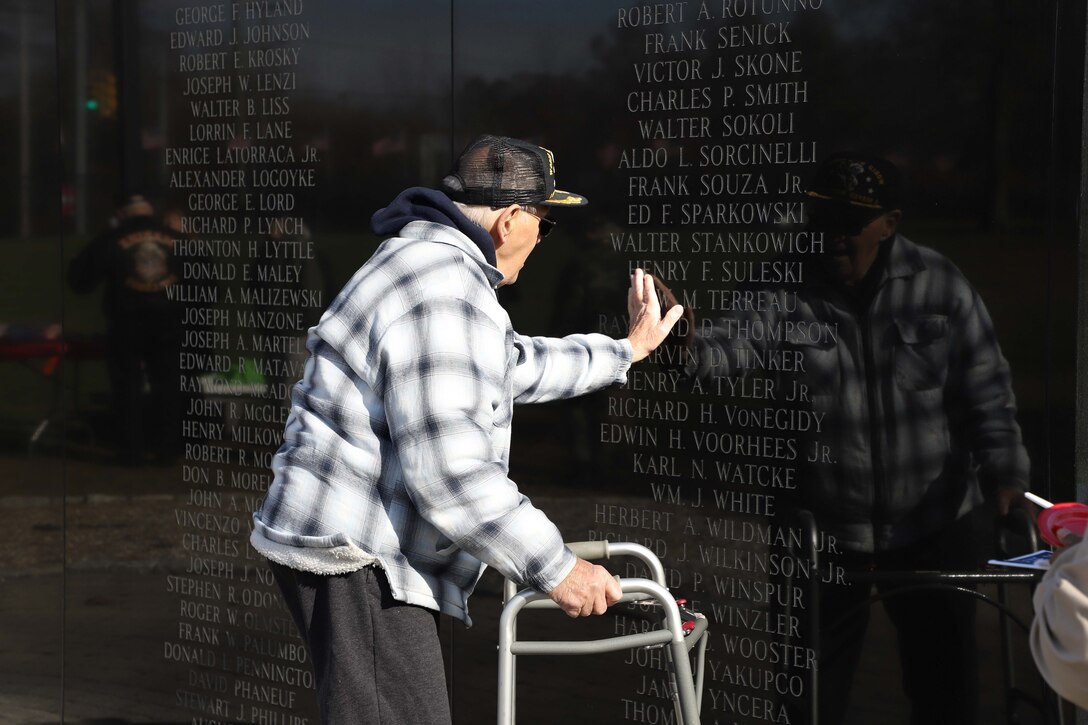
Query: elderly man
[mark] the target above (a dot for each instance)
(391, 491)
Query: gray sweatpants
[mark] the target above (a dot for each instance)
(377, 661)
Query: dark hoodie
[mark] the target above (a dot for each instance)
(420, 204)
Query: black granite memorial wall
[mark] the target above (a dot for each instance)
(151, 344)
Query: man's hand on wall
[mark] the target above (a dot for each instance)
(648, 328)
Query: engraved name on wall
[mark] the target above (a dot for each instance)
(242, 174)
(713, 169)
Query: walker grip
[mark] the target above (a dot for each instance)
(589, 550)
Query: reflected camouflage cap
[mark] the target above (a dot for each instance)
(497, 171)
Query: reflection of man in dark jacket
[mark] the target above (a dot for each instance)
(911, 426)
(135, 261)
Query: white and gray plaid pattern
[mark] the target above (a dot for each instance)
(399, 436)
(920, 413)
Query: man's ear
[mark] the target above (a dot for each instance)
(503, 226)
(891, 222)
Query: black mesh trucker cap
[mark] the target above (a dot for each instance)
(497, 171)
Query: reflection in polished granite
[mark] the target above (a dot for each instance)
(89, 546)
(120, 548)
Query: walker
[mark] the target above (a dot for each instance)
(681, 631)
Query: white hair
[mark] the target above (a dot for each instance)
(485, 216)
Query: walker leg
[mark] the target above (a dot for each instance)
(506, 684)
(685, 685)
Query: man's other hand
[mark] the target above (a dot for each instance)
(1009, 497)
(588, 589)
(648, 328)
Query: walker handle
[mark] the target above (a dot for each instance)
(589, 550)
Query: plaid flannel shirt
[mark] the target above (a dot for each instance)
(397, 446)
(918, 414)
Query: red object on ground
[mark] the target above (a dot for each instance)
(51, 351)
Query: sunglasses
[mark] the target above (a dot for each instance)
(545, 226)
(848, 225)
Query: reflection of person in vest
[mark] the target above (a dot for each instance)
(135, 261)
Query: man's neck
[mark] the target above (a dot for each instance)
(862, 291)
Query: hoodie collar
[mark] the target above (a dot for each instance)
(420, 204)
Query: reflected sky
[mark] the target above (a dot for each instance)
(357, 72)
